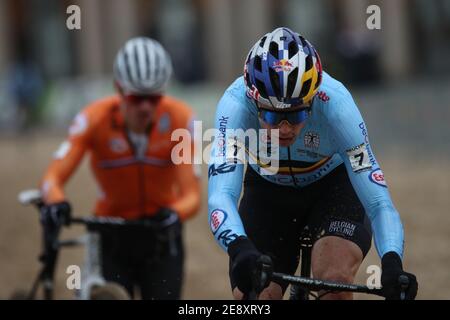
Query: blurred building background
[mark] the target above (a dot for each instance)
(209, 39)
(48, 72)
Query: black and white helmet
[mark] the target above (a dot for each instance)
(142, 66)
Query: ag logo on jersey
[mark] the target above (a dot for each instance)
(312, 140)
(377, 177)
(118, 145)
(359, 158)
(164, 123)
(79, 124)
(63, 150)
(218, 217)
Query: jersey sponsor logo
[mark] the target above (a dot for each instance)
(226, 237)
(218, 217)
(63, 150)
(221, 139)
(118, 145)
(79, 125)
(342, 227)
(366, 140)
(323, 96)
(310, 154)
(377, 177)
(303, 179)
(164, 123)
(223, 168)
(311, 140)
(359, 158)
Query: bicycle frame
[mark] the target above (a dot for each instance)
(303, 285)
(91, 275)
(91, 272)
(298, 292)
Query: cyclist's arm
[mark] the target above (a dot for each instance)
(351, 138)
(225, 175)
(188, 202)
(65, 160)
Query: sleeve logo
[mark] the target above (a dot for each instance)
(377, 177)
(79, 125)
(223, 168)
(218, 217)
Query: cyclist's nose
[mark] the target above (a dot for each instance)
(285, 127)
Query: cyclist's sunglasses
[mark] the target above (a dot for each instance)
(274, 118)
(137, 99)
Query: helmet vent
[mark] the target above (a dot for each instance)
(261, 88)
(263, 40)
(305, 88)
(292, 49)
(273, 49)
(308, 63)
(292, 81)
(275, 81)
(258, 65)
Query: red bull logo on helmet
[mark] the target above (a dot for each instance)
(282, 65)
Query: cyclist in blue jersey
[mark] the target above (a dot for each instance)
(326, 179)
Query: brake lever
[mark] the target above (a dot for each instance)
(404, 284)
(263, 273)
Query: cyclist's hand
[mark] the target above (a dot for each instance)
(57, 213)
(397, 284)
(166, 216)
(243, 256)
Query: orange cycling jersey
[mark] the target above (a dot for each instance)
(131, 186)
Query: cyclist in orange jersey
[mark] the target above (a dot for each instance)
(128, 138)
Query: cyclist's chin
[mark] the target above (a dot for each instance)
(139, 125)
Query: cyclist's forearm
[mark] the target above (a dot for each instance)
(60, 170)
(188, 204)
(387, 228)
(224, 220)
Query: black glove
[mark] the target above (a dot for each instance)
(166, 217)
(168, 233)
(56, 214)
(395, 281)
(243, 255)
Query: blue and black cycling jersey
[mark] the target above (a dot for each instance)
(334, 133)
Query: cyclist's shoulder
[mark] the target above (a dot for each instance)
(101, 107)
(91, 115)
(235, 101)
(179, 111)
(333, 98)
(236, 91)
(332, 90)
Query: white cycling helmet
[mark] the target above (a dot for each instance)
(142, 67)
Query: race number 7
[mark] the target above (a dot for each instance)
(359, 158)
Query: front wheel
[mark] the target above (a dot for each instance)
(298, 293)
(19, 294)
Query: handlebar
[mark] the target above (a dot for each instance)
(34, 197)
(264, 274)
(120, 222)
